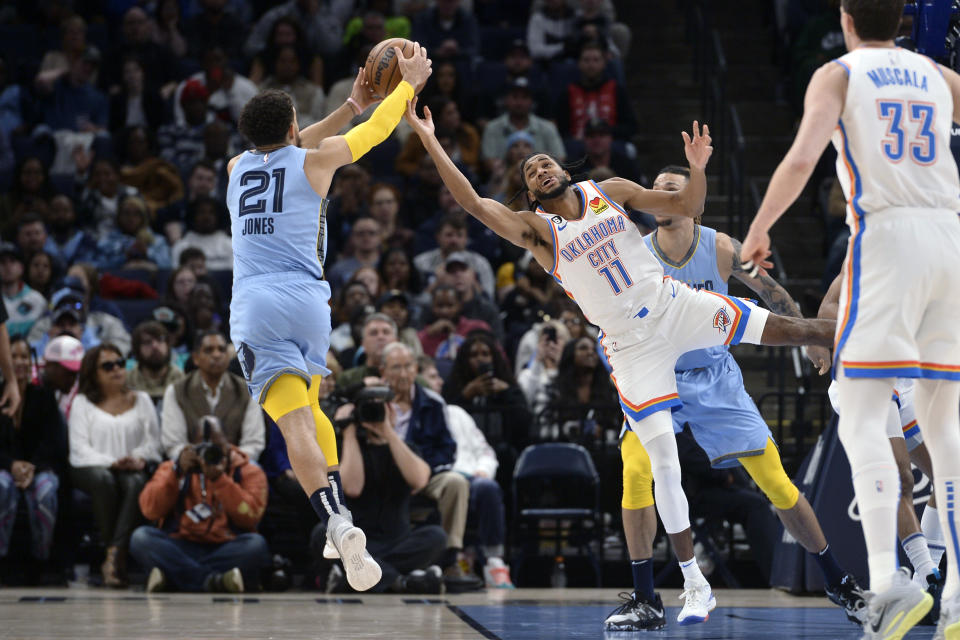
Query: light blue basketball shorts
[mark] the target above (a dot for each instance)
(280, 323)
(723, 418)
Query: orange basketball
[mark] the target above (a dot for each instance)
(382, 70)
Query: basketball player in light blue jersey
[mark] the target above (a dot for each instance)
(722, 417)
(280, 312)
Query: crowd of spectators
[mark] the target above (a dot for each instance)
(115, 265)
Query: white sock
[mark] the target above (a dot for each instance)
(930, 525)
(691, 571)
(915, 546)
(878, 493)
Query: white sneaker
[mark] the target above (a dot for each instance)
(363, 572)
(699, 601)
(330, 551)
(894, 612)
(948, 627)
(496, 574)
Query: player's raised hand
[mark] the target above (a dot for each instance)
(422, 126)
(698, 147)
(755, 251)
(362, 93)
(417, 68)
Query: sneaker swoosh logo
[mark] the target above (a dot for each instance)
(875, 626)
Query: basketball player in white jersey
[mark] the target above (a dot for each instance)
(722, 418)
(581, 235)
(889, 113)
(280, 312)
(921, 540)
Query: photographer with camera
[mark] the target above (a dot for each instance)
(380, 472)
(201, 505)
(210, 389)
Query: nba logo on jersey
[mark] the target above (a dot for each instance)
(598, 206)
(721, 320)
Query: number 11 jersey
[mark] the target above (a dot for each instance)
(893, 137)
(601, 261)
(277, 219)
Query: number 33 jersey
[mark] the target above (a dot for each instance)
(600, 259)
(277, 219)
(893, 137)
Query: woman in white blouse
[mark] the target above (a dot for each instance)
(114, 433)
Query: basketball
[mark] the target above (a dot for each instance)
(382, 71)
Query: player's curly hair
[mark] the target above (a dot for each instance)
(266, 118)
(573, 168)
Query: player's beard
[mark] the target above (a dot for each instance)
(556, 192)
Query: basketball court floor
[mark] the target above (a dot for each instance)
(524, 614)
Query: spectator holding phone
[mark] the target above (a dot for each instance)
(536, 378)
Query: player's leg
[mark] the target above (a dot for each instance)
(644, 609)
(655, 432)
(936, 407)
(799, 519)
(930, 519)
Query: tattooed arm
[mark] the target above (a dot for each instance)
(769, 290)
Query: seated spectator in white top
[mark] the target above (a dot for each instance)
(287, 75)
(477, 461)
(229, 90)
(535, 379)
(24, 305)
(205, 221)
(113, 435)
(211, 390)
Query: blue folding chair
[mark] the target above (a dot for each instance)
(557, 481)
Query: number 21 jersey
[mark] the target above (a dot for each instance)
(600, 259)
(277, 219)
(893, 137)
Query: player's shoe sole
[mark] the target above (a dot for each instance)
(904, 621)
(362, 570)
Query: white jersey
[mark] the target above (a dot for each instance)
(893, 138)
(602, 262)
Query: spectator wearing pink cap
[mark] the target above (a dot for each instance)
(62, 359)
(33, 458)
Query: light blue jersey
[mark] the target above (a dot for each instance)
(277, 219)
(280, 311)
(698, 268)
(722, 416)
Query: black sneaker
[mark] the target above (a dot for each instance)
(636, 614)
(849, 596)
(935, 588)
(429, 581)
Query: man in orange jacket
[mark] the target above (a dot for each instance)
(208, 505)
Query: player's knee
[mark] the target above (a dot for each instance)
(637, 475)
(287, 393)
(781, 492)
(767, 471)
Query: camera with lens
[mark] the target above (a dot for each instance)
(369, 405)
(209, 452)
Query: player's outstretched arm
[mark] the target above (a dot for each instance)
(524, 229)
(687, 202)
(336, 151)
(822, 107)
(361, 97)
(769, 290)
